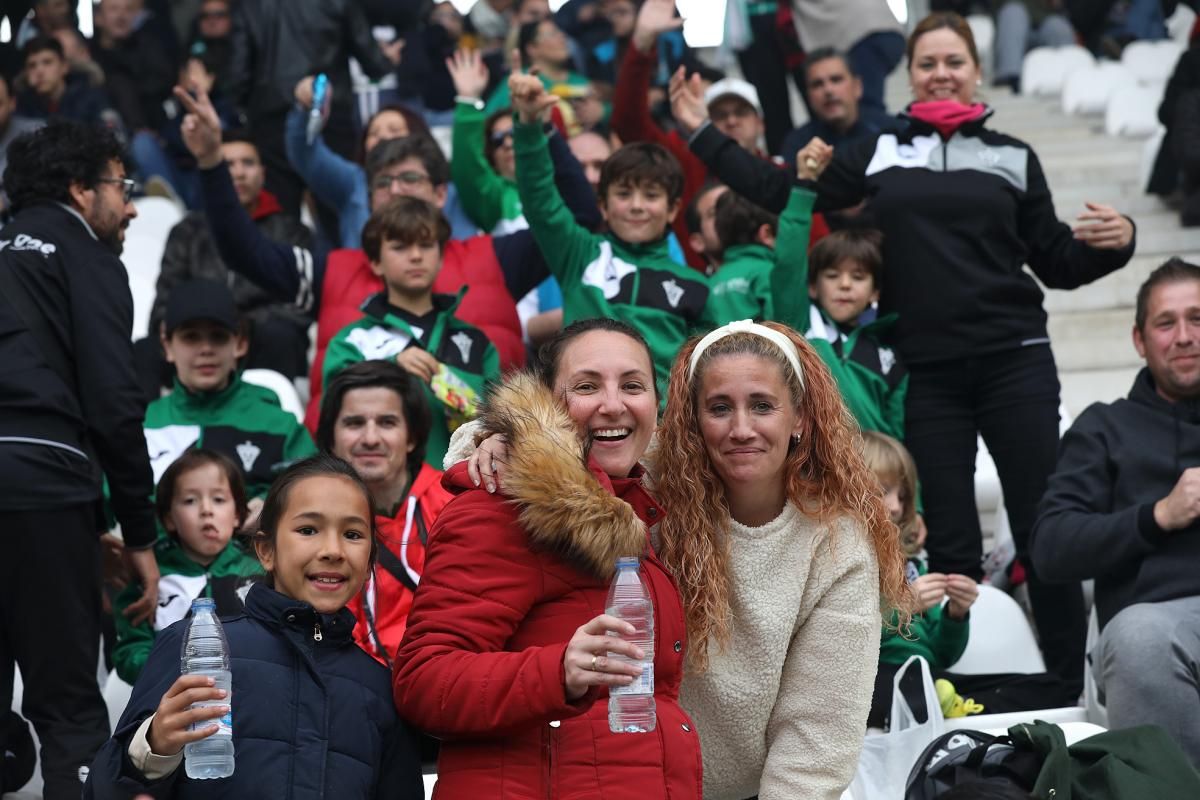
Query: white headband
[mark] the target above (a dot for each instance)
(785, 345)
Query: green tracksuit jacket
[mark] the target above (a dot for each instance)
(490, 199)
(381, 335)
(602, 276)
(243, 421)
(226, 580)
(935, 635)
(741, 286)
(872, 379)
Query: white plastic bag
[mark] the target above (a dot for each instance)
(887, 759)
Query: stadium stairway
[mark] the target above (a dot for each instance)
(1090, 326)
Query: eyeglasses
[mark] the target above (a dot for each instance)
(127, 186)
(403, 178)
(214, 14)
(501, 137)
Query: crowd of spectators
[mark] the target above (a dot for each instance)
(818, 320)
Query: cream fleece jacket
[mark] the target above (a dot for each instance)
(783, 711)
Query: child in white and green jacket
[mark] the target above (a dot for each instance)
(409, 324)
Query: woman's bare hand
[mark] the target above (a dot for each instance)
(487, 462)
(586, 662)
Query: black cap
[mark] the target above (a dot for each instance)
(201, 298)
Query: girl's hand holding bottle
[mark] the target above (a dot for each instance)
(171, 728)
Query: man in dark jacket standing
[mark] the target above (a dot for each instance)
(70, 411)
(1123, 507)
(274, 44)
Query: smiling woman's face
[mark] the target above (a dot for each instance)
(607, 382)
(747, 418)
(942, 68)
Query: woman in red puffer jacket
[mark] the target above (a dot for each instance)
(505, 657)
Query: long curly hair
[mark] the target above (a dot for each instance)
(827, 479)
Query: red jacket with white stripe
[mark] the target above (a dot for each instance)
(381, 608)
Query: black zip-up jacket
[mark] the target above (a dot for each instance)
(1096, 519)
(959, 219)
(69, 400)
(275, 43)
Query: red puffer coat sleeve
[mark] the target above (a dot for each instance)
(481, 580)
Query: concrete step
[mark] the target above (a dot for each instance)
(1069, 196)
(1093, 340)
(1081, 388)
(1118, 289)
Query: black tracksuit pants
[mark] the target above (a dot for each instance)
(50, 626)
(1011, 398)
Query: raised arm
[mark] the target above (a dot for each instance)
(789, 278)
(332, 178)
(563, 241)
(284, 271)
(631, 118)
(480, 188)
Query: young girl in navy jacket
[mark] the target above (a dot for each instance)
(312, 713)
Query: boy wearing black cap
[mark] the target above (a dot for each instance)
(210, 405)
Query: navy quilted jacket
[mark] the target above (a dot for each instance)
(311, 719)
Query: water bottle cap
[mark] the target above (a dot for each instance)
(628, 562)
(204, 604)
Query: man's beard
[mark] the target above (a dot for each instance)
(113, 242)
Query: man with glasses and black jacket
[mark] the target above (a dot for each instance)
(70, 413)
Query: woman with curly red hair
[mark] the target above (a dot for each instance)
(784, 555)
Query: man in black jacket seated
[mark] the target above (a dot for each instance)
(70, 409)
(1123, 507)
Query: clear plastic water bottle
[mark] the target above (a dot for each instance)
(631, 708)
(206, 652)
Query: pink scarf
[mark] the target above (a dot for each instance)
(946, 115)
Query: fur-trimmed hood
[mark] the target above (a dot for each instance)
(567, 506)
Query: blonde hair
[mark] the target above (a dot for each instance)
(893, 464)
(826, 478)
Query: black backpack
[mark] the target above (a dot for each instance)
(966, 756)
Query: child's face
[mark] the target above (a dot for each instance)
(892, 500)
(408, 270)
(203, 513)
(638, 213)
(844, 291)
(322, 548)
(204, 353)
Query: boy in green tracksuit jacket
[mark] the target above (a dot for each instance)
(824, 295)
(200, 502)
(210, 405)
(741, 286)
(409, 324)
(624, 274)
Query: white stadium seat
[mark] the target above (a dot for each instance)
(1046, 68)
(289, 399)
(1087, 89)
(1001, 639)
(1151, 62)
(143, 301)
(984, 31)
(1149, 154)
(1133, 112)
